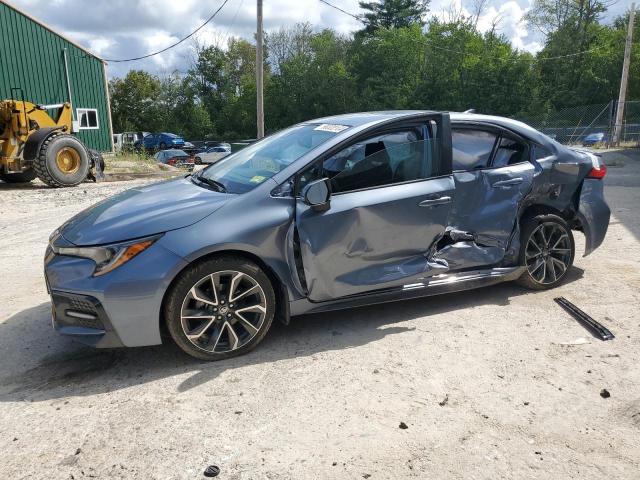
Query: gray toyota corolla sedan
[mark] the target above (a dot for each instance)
(331, 213)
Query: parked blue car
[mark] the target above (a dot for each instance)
(593, 138)
(332, 213)
(160, 141)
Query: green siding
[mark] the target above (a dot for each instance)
(31, 57)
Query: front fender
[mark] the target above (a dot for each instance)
(35, 141)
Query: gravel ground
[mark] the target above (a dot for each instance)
(493, 383)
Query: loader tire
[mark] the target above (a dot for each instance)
(21, 177)
(63, 161)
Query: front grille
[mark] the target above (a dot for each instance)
(82, 306)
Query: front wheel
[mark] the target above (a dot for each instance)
(220, 308)
(547, 251)
(63, 161)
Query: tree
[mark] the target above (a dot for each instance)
(393, 14)
(133, 102)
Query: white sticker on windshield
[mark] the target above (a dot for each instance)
(328, 127)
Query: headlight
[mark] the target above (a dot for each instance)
(108, 257)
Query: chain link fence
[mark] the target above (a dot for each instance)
(583, 124)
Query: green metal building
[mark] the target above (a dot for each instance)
(51, 69)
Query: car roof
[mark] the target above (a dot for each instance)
(363, 118)
(516, 126)
(372, 118)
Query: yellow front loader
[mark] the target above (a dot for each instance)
(33, 144)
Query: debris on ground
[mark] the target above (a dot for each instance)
(597, 329)
(444, 401)
(403, 426)
(212, 471)
(604, 393)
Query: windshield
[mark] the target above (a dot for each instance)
(248, 168)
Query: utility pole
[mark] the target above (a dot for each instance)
(617, 128)
(259, 75)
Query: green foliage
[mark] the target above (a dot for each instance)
(393, 14)
(401, 63)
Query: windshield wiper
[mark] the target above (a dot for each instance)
(218, 186)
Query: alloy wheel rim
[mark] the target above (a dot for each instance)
(548, 253)
(223, 311)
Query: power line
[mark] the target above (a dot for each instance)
(341, 10)
(175, 44)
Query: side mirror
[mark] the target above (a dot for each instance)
(317, 195)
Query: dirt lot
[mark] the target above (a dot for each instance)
(486, 381)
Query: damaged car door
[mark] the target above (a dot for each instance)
(389, 196)
(493, 174)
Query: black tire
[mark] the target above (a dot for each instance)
(163, 145)
(198, 161)
(555, 227)
(179, 296)
(47, 168)
(20, 177)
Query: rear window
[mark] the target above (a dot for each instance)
(510, 152)
(177, 153)
(471, 148)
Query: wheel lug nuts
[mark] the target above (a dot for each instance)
(219, 317)
(228, 315)
(215, 309)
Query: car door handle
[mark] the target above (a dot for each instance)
(432, 202)
(507, 183)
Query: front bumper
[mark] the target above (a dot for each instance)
(83, 318)
(120, 308)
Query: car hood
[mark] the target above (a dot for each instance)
(143, 211)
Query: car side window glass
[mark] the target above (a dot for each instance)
(387, 159)
(510, 152)
(540, 152)
(471, 148)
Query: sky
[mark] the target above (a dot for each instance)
(117, 29)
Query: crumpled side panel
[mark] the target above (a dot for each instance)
(374, 239)
(468, 254)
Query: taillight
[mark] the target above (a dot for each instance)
(598, 172)
(171, 161)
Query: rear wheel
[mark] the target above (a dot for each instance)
(63, 161)
(220, 308)
(19, 177)
(547, 251)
